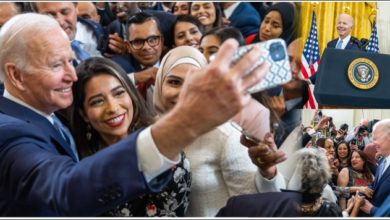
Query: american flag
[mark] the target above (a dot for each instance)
(310, 60)
(373, 45)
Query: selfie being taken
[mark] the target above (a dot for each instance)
(182, 109)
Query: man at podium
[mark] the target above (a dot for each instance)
(345, 41)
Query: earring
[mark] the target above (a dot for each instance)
(88, 134)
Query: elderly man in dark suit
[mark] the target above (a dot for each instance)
(41, 174)
(381, 140)
(345, 41)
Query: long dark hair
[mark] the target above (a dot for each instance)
(86, 71)
(367, 174)
(218, 14)
(189, 19)
(348, 148)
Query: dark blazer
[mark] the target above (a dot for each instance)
(274, 204)
(98, 31)
(381, 190)
(271, 204)
(246, 19)
(353, 44)
(127, 62)
(384, 209)
(39, 178)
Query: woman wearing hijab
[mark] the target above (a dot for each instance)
(279, 22)
(220, 165)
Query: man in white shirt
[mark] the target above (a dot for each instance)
(87, 33)
(41, 176)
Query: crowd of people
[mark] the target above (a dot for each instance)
(119, 109)
(357, 159)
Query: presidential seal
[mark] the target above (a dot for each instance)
(363, 73)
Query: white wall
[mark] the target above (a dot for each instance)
(383, 26)
(350, 116)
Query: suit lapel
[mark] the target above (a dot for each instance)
(349, 45)
(13, 109)
(385, 175)
(333, 43)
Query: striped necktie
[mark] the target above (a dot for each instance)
(339, 44)
(80, 53)
(66, 135)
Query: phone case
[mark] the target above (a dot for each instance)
(275, 54)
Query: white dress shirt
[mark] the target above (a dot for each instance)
(86, 36)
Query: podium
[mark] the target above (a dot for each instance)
(335, 88)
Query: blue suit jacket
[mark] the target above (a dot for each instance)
(246, 19)
(98, 31)
(39, 178)
(384, 209)
(353, 44)
(127, 62)
(381, 190)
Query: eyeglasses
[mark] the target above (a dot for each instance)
(138, 44)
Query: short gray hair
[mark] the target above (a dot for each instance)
(17, 33)
(315, 170)
(383, 125)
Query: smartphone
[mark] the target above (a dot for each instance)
(245, 133)
(275, 54)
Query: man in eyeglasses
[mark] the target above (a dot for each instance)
(145, 45)
(145, 40)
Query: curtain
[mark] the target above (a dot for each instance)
(327, 14)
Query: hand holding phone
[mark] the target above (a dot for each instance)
(275, 54)
(246, 134)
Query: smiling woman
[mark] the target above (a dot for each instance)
(107, 107)
(208, 13)
(187, 30)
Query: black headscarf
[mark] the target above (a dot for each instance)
(289, 15)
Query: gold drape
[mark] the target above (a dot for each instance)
(327, 13)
